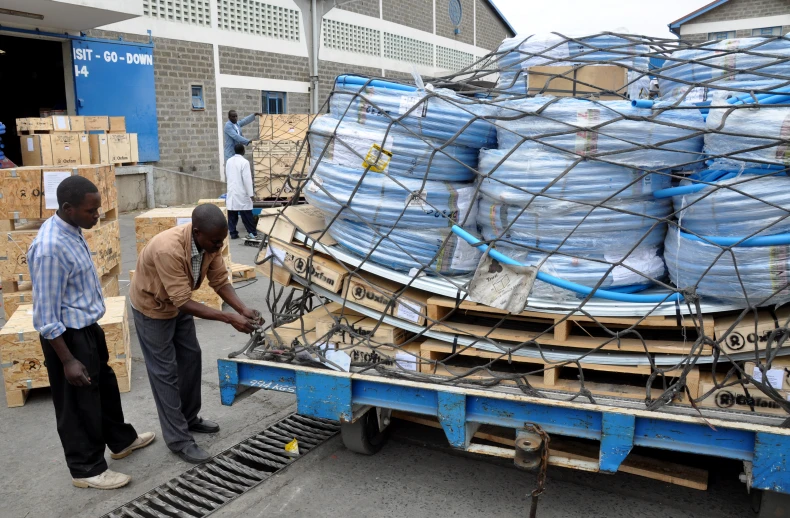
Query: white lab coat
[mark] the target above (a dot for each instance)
(237, 172)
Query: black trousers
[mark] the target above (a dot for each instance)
(89, 418)
(246, 218)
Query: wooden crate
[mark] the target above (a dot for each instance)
(22, 359)
(603, 380)
(104, 242)
(214, 201)
(18, 294)
(286, 126)
(149, 224)
(242, 272)
(22, 189)
(661, 334)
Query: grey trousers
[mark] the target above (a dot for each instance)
(173, 359)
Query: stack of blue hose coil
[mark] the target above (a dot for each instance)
(393, 170)
(719, 66)
(516, 55)
(576, 203)
(732, 240)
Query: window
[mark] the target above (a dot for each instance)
(196, 12)
(351, 38)
(767, 31)
(408, 49)
(197, 98)
(254, 17)
(725, 35)
(273, 102)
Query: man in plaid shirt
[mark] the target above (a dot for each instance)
(67, 303)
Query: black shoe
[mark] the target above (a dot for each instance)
(204, 426)
(194, 454)
(234, 237)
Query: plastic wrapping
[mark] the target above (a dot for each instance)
(404, 250)
(617, 131)
(382, 200)
(753, 135)
(760, 279)
(517, 54)
(707, 69)
(438, 113)
(522, 176)
(744, 206)
(572, 228)
(356, 147)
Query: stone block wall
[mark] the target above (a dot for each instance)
(412, 13)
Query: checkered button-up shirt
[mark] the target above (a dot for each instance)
(197, 262)
(66, 288)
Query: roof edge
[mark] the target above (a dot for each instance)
(702, 10)
(502, 17)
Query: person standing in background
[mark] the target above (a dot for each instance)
(67, 304)
(233, 134)
(240, 194)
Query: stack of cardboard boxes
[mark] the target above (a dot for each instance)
(64, 140)
(280, 157)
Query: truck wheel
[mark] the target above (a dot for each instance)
(366, 435)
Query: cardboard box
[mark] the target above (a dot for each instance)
(85, 147)
(734, 398)
(99, 149)
(302, 330)
(66, 149)
(134, 151)
(748, 335)
(286, 126)
(379, 294)
(119, 148)
(36, 149)
(282, 224)
(94, 123)
(77, 123)
(778, 375)
(61, 123)
(290, 260)
(406, 356)
(578, 81)
(358, 330)
(117, 124)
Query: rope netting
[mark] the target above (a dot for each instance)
(524, 222)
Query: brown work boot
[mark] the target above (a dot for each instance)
(143, 440)
(107, 480)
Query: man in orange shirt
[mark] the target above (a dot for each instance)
(170, 267)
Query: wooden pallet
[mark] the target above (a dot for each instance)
(603, 380)
(242, 272)
(22, 359)
(661, 334)
(561, 450)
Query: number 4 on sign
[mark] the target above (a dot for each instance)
(80, 71)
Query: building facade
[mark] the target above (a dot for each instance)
(211, 56)
(724, 19)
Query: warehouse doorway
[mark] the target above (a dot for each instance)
(34, 84)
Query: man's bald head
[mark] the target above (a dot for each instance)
(209, 227)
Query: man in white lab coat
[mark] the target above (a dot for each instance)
(240, 194)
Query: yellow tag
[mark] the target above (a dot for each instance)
(292, 447)
(377, 159)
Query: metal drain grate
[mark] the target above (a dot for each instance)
(207, 487)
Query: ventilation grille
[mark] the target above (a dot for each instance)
(408, 49)
(451, 59)
(196, 12)
(253, 17)
(351, 38)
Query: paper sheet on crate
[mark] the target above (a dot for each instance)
(502, 286)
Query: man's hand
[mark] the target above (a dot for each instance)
(252, 315)
(241, 323)
(76, 373)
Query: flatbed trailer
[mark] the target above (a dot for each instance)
(363, 404)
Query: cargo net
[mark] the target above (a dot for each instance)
(602, 218)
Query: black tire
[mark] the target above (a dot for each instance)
(363, 436)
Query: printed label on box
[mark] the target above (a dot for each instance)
(52, 180)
